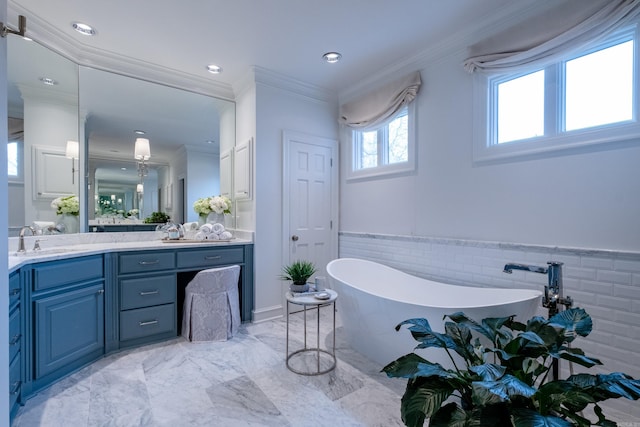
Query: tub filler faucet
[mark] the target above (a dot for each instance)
(553, 294)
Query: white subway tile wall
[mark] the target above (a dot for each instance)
(605, 283)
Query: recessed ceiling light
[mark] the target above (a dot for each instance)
(48, 81)
(214, 69)
(332, 57)
(124, 169)
(139, 132)
(84, 29)
(210, 142)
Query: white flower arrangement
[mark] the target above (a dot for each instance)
(217, 204)
(220, 205)
(66, 205)
(133, 212)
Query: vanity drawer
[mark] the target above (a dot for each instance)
(15, 333)
(68, 271)
(210, 257)
(15, 385)
(149, 261)
(14, 289)
(147, 291)
(144, 322)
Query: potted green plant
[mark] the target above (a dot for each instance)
(157, 218)
(511, 388)
(298, 273)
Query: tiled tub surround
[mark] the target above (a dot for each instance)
(605, 283)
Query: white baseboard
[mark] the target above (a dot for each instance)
(268, 313)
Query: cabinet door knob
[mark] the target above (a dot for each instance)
(294, 238)
(15, 388)
(15, 339)
(100, 291)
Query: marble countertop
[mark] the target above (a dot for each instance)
(71, 246)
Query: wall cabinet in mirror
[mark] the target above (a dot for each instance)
(226, 173)
(242, 176)
(52, 174)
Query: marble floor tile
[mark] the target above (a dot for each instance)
(240, 382)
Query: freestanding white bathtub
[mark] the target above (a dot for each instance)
(374, 298)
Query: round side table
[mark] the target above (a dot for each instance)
(308, 301)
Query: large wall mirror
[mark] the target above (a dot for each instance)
(43, 116)
(103, 111)
(184, 131)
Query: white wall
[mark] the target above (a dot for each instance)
(4, 296)
(459, 222)
(245, 129)
(203, 178)
(275, 108)
(582, 198)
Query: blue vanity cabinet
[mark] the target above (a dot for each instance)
(67, 314)
(147, 296)
(16, 340)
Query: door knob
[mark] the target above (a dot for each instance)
(294, 238)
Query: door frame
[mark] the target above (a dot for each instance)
(332, 144)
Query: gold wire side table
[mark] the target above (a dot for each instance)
(309, 302)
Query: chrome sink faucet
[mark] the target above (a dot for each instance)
(553, 291)
(21, 237)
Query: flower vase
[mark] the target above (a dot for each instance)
(213, 218)
(71, 223)
(202, 219)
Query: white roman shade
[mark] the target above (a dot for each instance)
(378, 107)
(16, 129)
(556, 33)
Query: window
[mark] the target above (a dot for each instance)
(386, 150)
(14, 161)
(587, 98)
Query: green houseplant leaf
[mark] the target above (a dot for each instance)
(298, 272)
(513, 390)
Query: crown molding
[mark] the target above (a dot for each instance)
(280, 81)
(456, 44)
(84, 55)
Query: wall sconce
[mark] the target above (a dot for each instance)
(142, 153)
(140, 188)
(22, 28)
(72, 152)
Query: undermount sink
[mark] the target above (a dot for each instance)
(44, 252)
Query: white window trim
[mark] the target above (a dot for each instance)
(567, 140)
(389, 170)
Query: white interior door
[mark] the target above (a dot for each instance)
(310, 199)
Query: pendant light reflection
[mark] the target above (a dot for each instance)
(72, 152)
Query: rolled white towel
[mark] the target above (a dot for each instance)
(206, 228)
(212, 236)
(217, 228)
(43, 224)
(200, 236)
(190, 226)
(226, 235)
